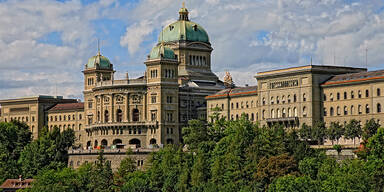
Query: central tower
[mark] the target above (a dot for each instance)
(192, 48)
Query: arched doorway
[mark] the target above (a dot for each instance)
(152, 141)
(104, 143)
(135, 142)
(106, 116)
(117, 141)
(169, 141)
(96, 144)
(135, 115)
(119, 115)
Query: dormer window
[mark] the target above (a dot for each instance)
(194, 27)
(171, 27)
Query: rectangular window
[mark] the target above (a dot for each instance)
(153, 99)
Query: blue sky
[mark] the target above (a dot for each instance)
(44, 44)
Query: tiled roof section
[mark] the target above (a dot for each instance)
(16, 184)
(68, 106)
(235, 91)
(354, 77)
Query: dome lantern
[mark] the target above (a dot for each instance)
(183, 13)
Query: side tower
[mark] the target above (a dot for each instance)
(163, 95)
(97, 70)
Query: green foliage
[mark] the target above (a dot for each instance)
(56, 181)
(319, 132)
(375, 145)
(101, 175)
(137, 181)
(335, 131)
(305, 132)
(291, 183)
(276, 166)
(14, 136)
(338, 148)
(48, 151)
(353, 130)
(370, 128)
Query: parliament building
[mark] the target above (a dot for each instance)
(178, 85)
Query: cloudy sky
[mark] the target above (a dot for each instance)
(44, 44)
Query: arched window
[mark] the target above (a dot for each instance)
(379, 108)
(352, 95)
(135, 115)
(263, 115)
(325, 112)
(367, 108)
(289, 98)
(283, 99)
(345, 95)
(366, 93)
(295, 111)
(331, 96)
(359, 93)
(338, 96)
(88, 144)
(104, 142)
(359, 109)
(237, 117)
(345, 110)
(117, 141)
(96, 144)
(119, 115)
(252, 117)
(289, 112)
(304, 97)
(273, 113)
(284, 113)
(378, 92)
(263, 101)
(106, 116)
(338, 110)
(272, 100)
(277, 100)
(304, 111)
(294, 98)
(331, 112)
(169, 141)
(278, 113)
(352, 109)
(135, 142)
(152, 141)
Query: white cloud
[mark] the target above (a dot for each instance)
(135, 35)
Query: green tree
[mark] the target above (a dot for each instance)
(14, 136)
(137, 181)
(56, 181)
(195, 133)
(48, 151)
(353, 130)
(101, 175)
(370, 128)
(335, 131)
(276, 166)
(291, 183)
(318, 132)
(305, 132)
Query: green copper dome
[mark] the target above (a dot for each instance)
(162, 51)
(100, 61)
(183, 30)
